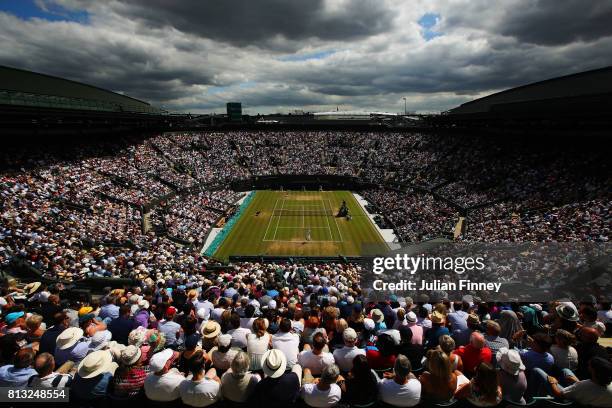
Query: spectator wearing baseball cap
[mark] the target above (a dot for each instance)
(163, 384)
(171, 329)
(344, 356)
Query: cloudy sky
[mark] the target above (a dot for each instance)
(280, 55)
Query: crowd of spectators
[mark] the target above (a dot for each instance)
(271, 335)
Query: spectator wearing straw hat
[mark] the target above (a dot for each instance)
(163, 384)
(279, 388)
(71, 346)
(210, 333)
(94, 374)
(437, 329)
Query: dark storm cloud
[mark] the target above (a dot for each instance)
(543, 22)
(262, 22)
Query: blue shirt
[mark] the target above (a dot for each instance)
(533, 359)
(433, 334)
(75, 353)
(15, 377)
(169, 328)
(110, 311)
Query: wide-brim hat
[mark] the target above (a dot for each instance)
(96, 363)
(68, 338)
(211, 329)
(130, 355)
(567, 313)
(31, 287)
(274, 363)
(437, 317)
(509, 361)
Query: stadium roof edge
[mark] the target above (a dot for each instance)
(506, 92)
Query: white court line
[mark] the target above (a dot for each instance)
(335, 220)
(296, 241)
(303, 227)
(331, 236)
(278, 222)
(271, 217)
(303, 217)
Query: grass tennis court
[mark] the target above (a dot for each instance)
(300, 223)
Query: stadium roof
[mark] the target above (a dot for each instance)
(584, 91)
(25, 88)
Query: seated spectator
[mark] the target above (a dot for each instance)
(163, 384)
(15, 323)
(239, 334)
(123, 325)
(596, 391)
(361, 385)
(512, 376)
(94, 374)
(457, 323)
(440, 381)
(204, 388)
(382, 355)
(483, 390)
(316, 359)
(71, 346)
(191, 346)
(326, 392)
(287, 342)
(437, 329)
(492, 338)
(447, 345)
(171, 329)
(210, 333)
(536, 354)
(258, 343)
(34, 329)
(47, 341)
(238, 384)
(16, 375)
(130, 377)
(278, 389)
(47, 377)
(344, 356)
(223, 354)
(379, 320)
(400, 388)
(417, 331)
(588, 348)
(563, 352)
(474, 353)
(414, 352)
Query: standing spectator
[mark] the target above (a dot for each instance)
(400, 389)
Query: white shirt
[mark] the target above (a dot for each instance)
(164, 387)
(400, 395)
(565, 358)
(222, 361)
(586, 392)
(239, 337)
(344, 357)
(314, 397)
(216, 314)
(201, 393)
(289, 344)
(256, 347)
(247, 322)
(315, 363)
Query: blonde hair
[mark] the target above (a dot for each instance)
(33, 322)
(438, 365)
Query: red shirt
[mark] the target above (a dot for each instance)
(378, 361)
(472, 357)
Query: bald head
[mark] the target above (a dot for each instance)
(589, 335)
(477, 340)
